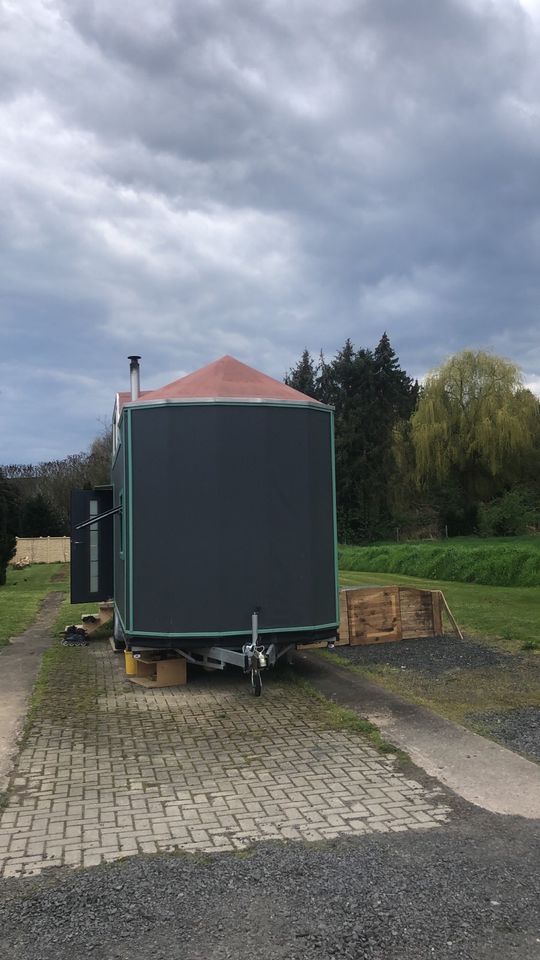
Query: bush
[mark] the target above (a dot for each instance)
(507, 516)
(499, 565)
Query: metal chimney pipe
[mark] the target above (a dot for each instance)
(134, 373)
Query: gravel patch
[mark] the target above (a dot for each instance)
(517, 729)
(470, 891)
(432, 656)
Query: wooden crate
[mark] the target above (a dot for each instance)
(387, 614)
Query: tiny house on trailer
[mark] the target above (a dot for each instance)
(217, 536)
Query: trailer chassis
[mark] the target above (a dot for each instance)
(252, 658)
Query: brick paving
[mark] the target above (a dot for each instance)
(111, 769)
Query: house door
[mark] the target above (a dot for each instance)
(91, 547)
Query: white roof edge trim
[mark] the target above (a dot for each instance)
(308, 402)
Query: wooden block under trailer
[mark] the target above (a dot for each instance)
(149, 672)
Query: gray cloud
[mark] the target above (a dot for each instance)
(189, 179)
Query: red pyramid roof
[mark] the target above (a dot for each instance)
(226, 378)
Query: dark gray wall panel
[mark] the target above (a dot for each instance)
(232, 511)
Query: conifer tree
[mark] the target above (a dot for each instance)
(303, 376)
(370, 394)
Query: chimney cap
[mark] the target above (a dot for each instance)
(134, 356)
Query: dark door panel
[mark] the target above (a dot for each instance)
(91, 547)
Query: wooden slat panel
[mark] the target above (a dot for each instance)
(416, 613)
(343, 617)
(374, 615)
(437, 613)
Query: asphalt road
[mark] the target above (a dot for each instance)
(468, 890)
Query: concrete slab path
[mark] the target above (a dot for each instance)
(477, 769)
(19, 665)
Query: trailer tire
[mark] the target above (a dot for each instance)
(256, 683)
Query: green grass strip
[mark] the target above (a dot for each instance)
(501, 563)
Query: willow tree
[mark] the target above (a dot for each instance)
(475, 427)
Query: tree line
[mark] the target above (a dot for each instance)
(459, 454)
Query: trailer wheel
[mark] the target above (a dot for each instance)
(256, 683)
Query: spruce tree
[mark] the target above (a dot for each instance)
(397, 391)
(370, 394)
(303, 377)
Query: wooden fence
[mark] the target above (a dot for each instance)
(43, 549)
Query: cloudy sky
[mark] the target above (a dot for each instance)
(188, 178)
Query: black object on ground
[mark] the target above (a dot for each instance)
(75, 637)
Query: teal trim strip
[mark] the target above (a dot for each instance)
(141, 405)
(118, 614)
(114, 542)
(334, 510)
(232, 633)
(124, 448)
(129, 544)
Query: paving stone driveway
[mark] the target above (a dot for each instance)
(111, 769)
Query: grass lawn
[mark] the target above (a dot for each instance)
(22, 593)
(506, 617)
